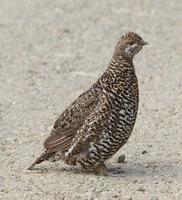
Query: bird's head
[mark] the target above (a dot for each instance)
(129, 45)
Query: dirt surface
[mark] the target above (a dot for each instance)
(50, 52)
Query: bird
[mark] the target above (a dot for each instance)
(100, 121)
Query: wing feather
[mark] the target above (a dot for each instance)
(66, 126)
(92, 128)
(59, 141)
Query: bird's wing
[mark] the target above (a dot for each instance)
(76, 110)
(92, 128)
(68, 123)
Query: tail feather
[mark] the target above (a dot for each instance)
(42, 158)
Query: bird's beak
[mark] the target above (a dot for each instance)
(144, 42)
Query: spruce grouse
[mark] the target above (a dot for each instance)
(99, 122)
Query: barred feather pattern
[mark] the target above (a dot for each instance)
(100, 121)
(120, 88)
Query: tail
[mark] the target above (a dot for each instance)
(42, 158)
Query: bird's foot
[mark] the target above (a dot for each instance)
(101, 170)
(71, 160)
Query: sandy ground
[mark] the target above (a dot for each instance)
(50, 52)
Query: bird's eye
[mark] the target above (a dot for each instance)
(131, 43)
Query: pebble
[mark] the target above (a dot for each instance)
(121, 159)
(147, 166)
(141, 188)
(144, 152)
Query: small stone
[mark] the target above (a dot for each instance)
(44, 63)
(144, 152)
(121, 159)
(147, 166)
(141, 189)
(66, 30)
(4, 190)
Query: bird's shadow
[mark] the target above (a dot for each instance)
(152, 169)
(127, 169)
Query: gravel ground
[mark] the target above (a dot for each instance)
(51, 51)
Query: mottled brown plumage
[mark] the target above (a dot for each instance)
(99, 122)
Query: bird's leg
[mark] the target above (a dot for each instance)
(71, 160)
(101, 170)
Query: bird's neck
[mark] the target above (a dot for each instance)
(117, 71)
(120, 63)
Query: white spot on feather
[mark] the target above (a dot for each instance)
(70, 150)
(128, 50)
